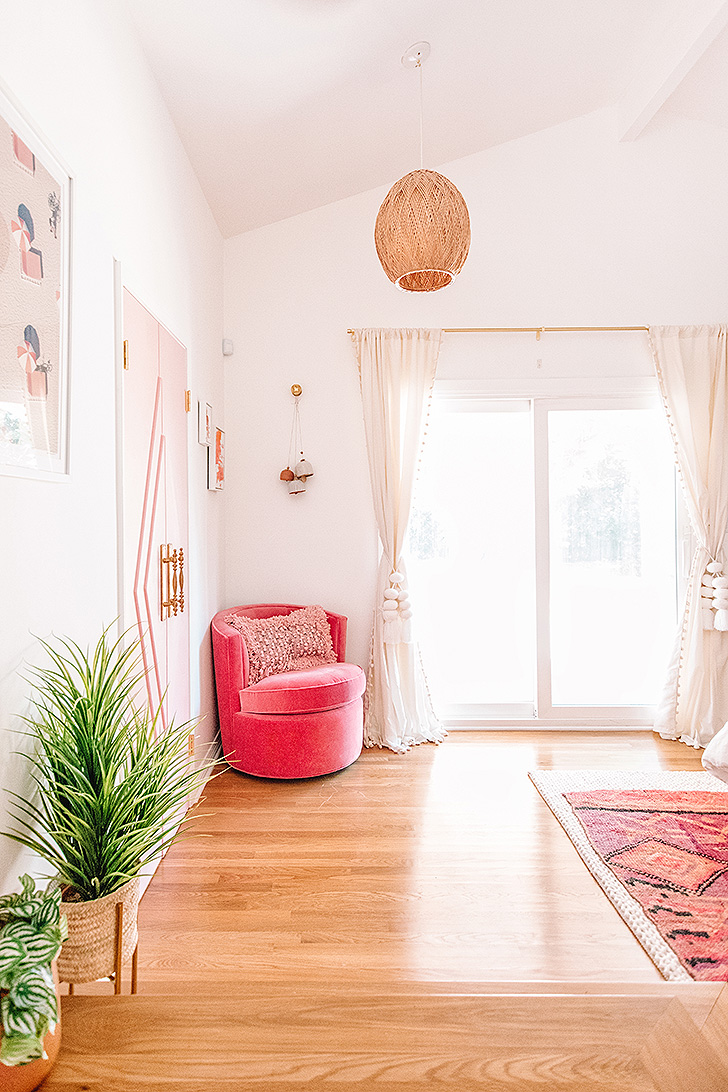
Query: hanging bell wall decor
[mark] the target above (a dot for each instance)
(302, 470)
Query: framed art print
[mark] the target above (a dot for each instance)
(204, 423)
(216, 462)
(35, 240)
(219, 458)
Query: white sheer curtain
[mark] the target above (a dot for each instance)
(396, 373)
(692, 368)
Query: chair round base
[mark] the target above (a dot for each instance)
(292, 746)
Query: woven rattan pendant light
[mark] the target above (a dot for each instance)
(422, 233)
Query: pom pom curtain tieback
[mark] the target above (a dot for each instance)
(396, 611)
(714, 597)
(302, 470)
(422, 231)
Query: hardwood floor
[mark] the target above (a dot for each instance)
(416, 921)
(442, 865)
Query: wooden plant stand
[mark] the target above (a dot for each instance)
(116, 976)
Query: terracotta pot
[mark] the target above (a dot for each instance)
(23, 1078)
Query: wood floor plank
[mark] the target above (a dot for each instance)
(715, 1026)
(409, 1042)
(678, 1058)
(407, 1023)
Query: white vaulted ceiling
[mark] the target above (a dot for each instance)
(286, 105)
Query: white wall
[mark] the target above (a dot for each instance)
(569, 227)
(81, 79)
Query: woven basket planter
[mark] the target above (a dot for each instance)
(422, 233)
(90, 951)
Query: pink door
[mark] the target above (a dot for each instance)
(155, 510)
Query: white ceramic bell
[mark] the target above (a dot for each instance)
(303, 469)
(296, 486)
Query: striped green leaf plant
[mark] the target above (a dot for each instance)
(113, 783)
(32, 931)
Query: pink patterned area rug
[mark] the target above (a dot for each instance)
(658, 846)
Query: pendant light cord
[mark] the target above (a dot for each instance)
(422, 143)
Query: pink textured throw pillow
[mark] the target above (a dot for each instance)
(311, 643)
(285, 642)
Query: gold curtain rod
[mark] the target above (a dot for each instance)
(537, 330)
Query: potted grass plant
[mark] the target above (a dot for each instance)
(113, 784)
(31, 933)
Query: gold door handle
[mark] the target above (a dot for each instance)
(181, 581)
(171, 581)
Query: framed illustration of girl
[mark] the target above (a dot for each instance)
(35, 274)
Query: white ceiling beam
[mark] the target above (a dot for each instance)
(667, 62)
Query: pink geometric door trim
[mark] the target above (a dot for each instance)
(155, 501)
(145, 552)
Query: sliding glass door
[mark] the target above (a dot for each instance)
(543, 560)
(471, 558)
(607, 535)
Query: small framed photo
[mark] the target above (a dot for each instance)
(204, 423)
(216, 462)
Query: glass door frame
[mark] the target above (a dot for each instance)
(545, 395)
(479, 714)
(545, 709)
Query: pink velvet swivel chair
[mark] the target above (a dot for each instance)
(293, 724)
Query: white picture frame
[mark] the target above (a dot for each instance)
(204, 423)
(216, 462)
(35, 301)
